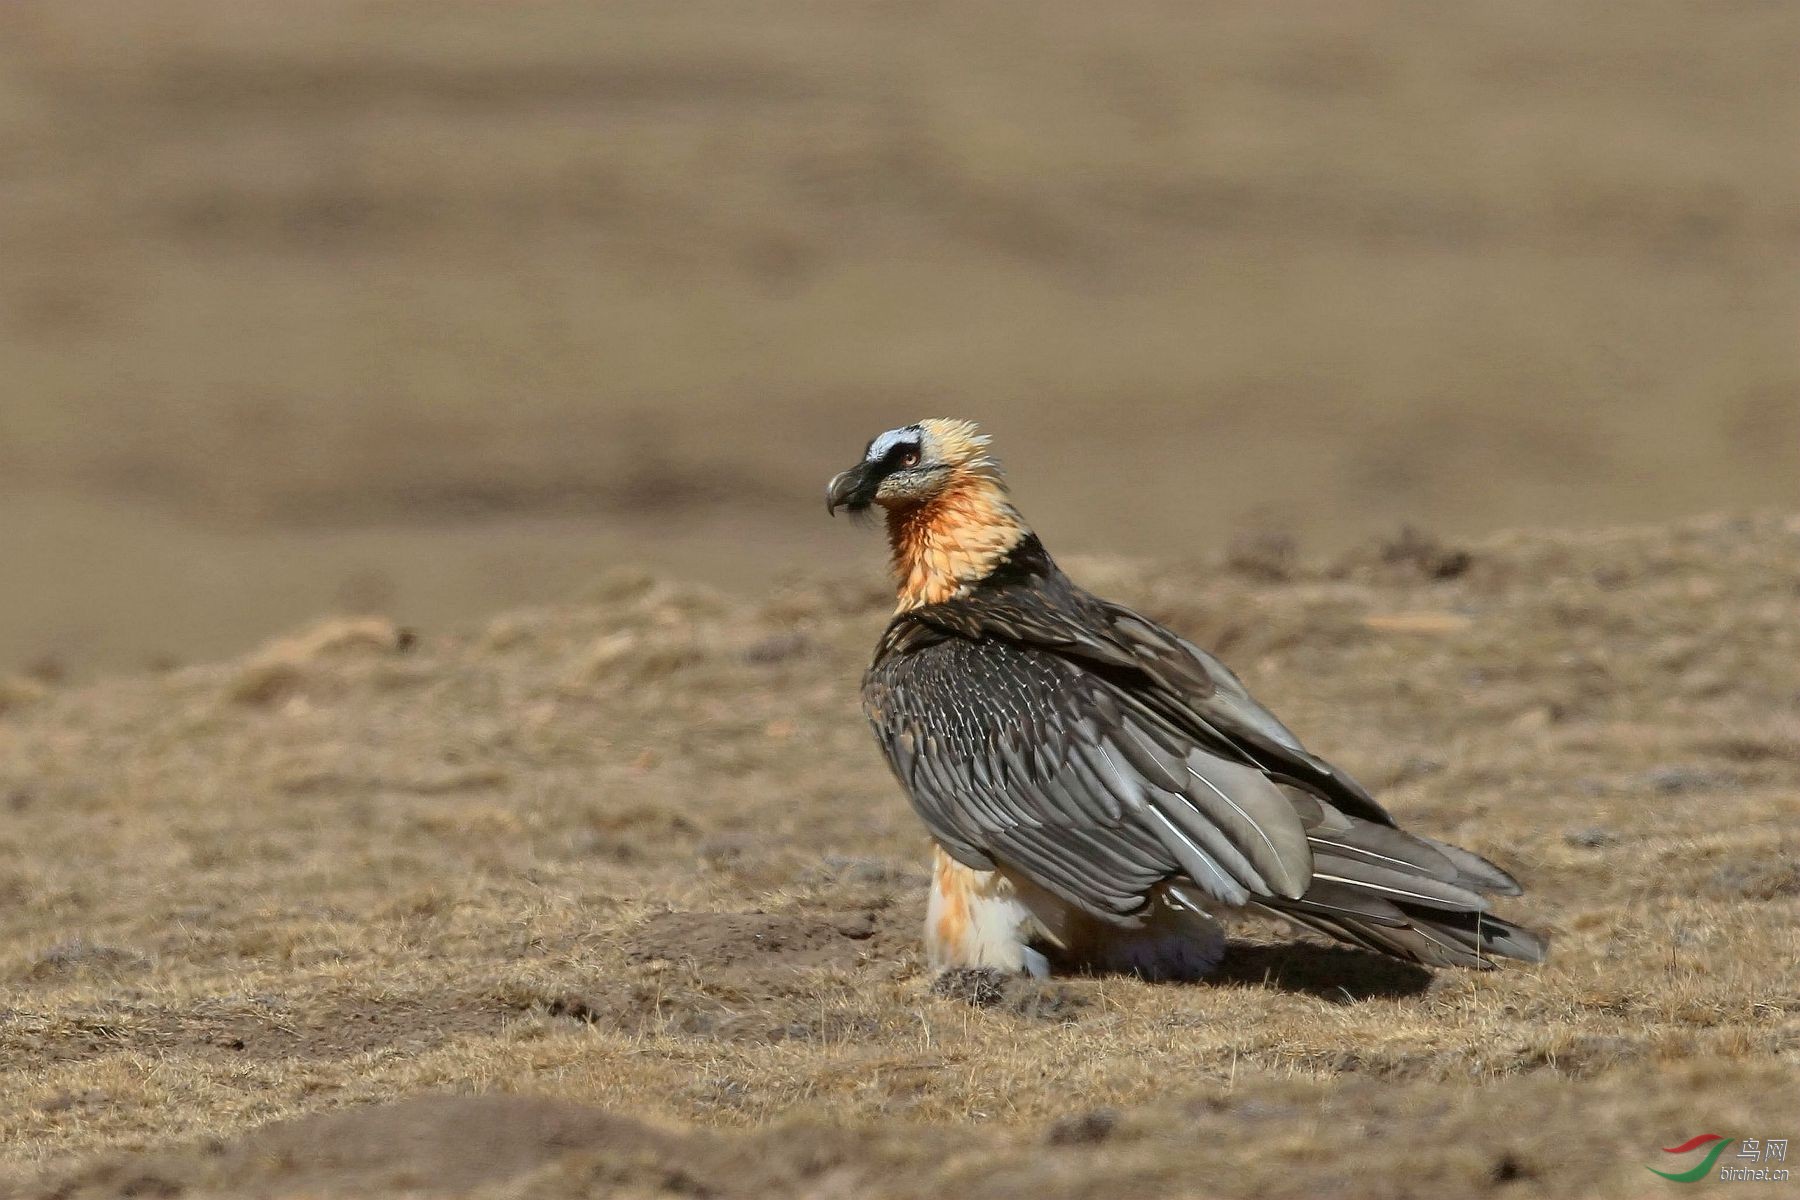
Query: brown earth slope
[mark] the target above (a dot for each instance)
(627, 881)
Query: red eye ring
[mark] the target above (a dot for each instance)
(910, 458)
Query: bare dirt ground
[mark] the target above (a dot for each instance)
(438, 309)
(616, 898)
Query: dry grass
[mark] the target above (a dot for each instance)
(638, 853)
(293, 292)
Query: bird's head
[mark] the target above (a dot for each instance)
(913, 465)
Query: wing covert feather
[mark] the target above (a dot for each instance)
(1013, 753)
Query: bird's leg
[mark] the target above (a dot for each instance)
(977, 919)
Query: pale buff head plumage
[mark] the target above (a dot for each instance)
(950, 520)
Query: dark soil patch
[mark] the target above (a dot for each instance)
(756, 941)
(738, 977)
(737, 1011)
(252, 1029)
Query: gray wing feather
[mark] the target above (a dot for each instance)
(1210, 696)
(1016, 754)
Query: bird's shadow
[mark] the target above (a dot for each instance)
(1339, 974)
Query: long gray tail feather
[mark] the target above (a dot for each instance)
(1432, 937)
(1396, 893)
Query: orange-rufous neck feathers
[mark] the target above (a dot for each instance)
(954, 539)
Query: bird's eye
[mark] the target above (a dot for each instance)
(909, 458)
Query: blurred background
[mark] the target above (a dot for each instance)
(433, 307)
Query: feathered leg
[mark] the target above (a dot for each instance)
(976, 919)
(990, 919)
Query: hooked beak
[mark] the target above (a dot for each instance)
(853, 489)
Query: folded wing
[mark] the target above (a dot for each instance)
(1013, 753)
(1090, 748)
